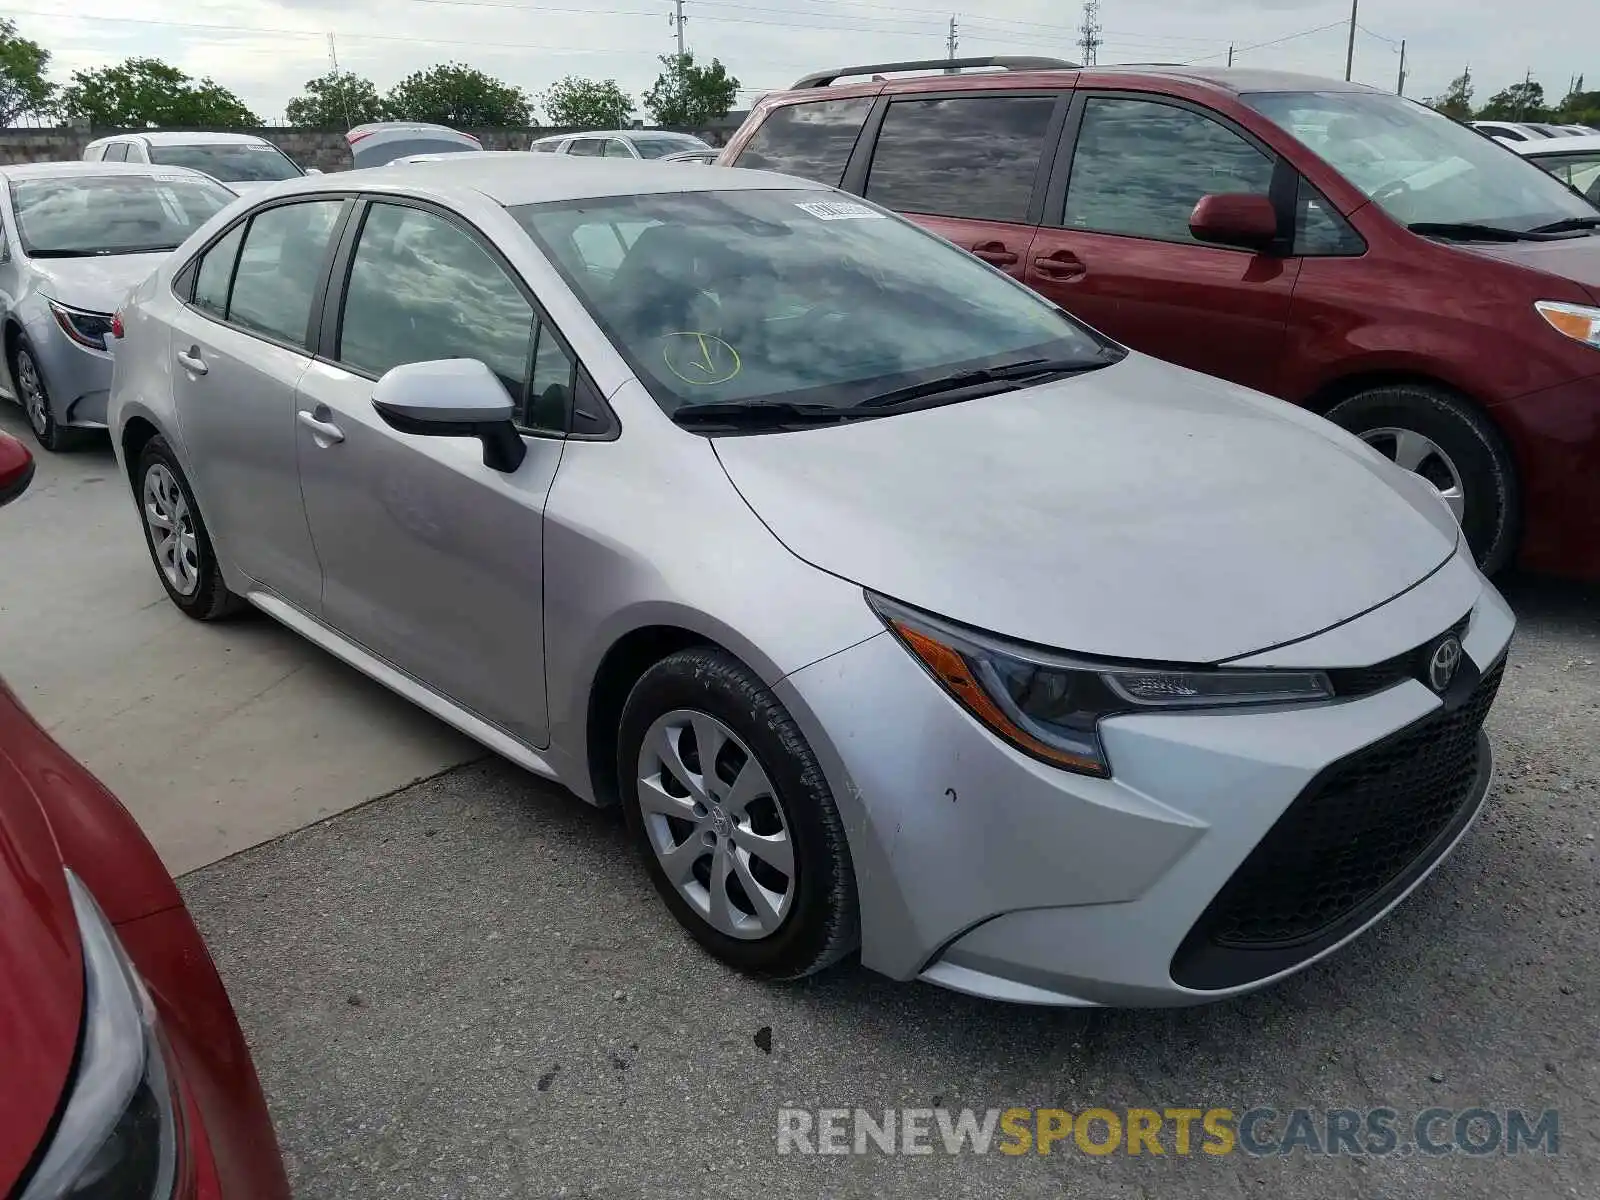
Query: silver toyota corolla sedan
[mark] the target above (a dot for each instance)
(897, 608)
(76, 236)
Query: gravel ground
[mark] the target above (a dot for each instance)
(469, 989)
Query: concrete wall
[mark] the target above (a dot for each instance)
(324, 149)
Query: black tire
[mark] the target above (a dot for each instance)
(50, 433)
(1491, 495)
(822, 923)
(211, 600)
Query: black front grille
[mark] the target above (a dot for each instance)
(1413, 664)
(1354, 838)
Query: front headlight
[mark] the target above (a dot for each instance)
(117, 1136)
(1579, 322)
(86, 328)
(1051, 705)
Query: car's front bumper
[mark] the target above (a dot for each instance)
(984, 870)
(77, 378)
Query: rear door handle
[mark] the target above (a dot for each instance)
(996, 253)
(1063, 264)
(192, 362)
(327, 432)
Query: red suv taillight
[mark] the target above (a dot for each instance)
(116, 325)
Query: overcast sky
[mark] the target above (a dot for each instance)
(266, 49)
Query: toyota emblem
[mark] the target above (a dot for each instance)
(1443, 662)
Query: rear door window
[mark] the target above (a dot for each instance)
(585, 147)
(1140, 167)
(961, 156)
(812, 140)
(280, 267)
(117, 152)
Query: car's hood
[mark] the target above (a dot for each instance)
(1140, 511)
(94, 284)
(1577, 259)
(41, 974)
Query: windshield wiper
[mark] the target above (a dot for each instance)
(1031, 368)
(1472, 231)
(759, 413)
(1568, 225)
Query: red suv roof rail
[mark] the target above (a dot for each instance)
(1008, 62)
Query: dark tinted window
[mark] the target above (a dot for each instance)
(586, 147)
(117, 152)
(1140, 168)
(1319, 229)
(962, 156)
(421, 289)
(245, 162)
(550, 393)
(216, 272)
(811, 140)
(280, 266)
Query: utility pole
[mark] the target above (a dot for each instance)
(1230, 54)
(1090, 40)
(1522, 100)
(1400, 87)
(1350, 47)
(344, 92)
(950, 44)
(676, 20)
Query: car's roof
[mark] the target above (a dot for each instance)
(168, 137)
(512, 179)
(1238, 80)
(1558, 145)
(58, 170)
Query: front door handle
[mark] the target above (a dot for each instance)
(192, 362)
(1061, 265)
(327, 433)
(996, 253)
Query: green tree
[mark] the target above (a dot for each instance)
(1519, 102)
(1456, 100)
(457, 95)
(143, 92)
(1580, 107)
(687, 95)
(577, 103)
(337, 100)
(23, 86)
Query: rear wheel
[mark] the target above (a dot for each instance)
(737, 826)
(1454, 448)
(179, 545)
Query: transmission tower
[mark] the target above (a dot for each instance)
(1089, 41)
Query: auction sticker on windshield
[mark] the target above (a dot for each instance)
(838, 210)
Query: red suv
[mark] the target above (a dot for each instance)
(1337, 246)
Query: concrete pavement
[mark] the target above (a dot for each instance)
(217, 737)
(470, 990)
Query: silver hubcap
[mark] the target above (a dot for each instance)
(33, 397)
(715, 824)
(1421, 456)
(171, 525)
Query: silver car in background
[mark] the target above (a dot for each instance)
(620, 143)
(897, 609)
(76, 237)
(243, 161)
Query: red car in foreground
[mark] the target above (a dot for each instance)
(123, 1073)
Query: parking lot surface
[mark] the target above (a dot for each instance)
(217, 737)
(469, 989)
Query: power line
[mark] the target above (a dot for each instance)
(1274, 42)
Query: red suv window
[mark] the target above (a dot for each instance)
(812, 140)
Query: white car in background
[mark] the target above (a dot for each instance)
(243, 161)
(1509, 132)
(1573, 160)
(620, 143)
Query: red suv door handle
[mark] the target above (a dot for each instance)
(1061, 265)
(996, 253)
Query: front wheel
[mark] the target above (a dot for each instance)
(1453, 447)
(35, 398)
(737, 826)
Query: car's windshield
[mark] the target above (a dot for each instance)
(237, 162)
(1418, 165)
(753, 296)
(89, 215)
(1580, 171)
(659, 144)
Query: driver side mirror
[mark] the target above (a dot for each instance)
(453, 397)
(16, 468)
(1247, 221)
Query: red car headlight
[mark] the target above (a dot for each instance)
(117, 1134)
